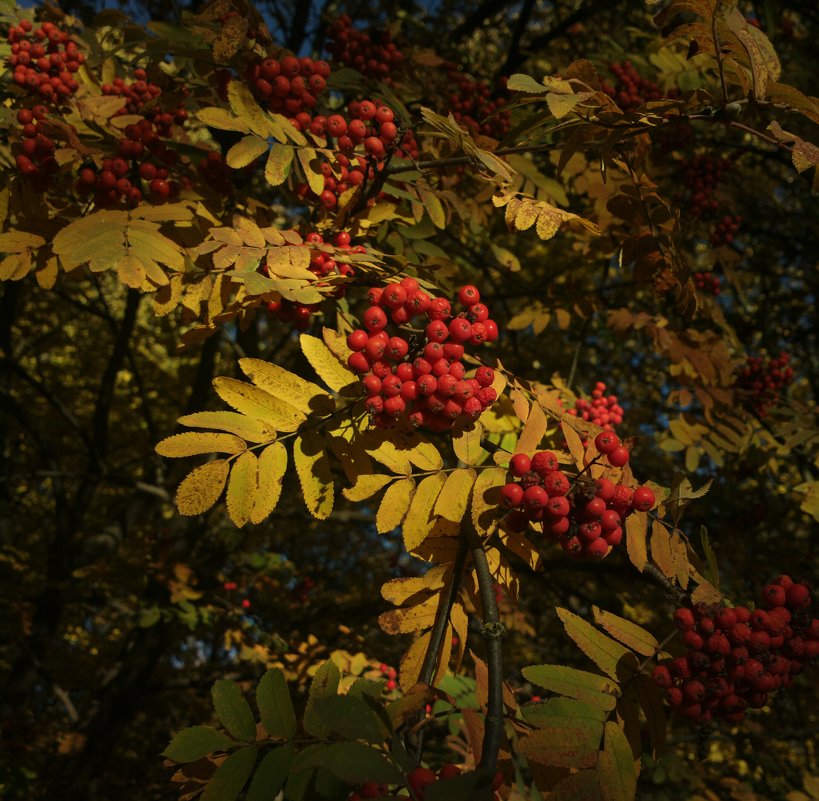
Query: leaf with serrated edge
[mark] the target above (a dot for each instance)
(661, 553)
(425, 456)
(566, 742)
(233, 710)
(588, 687)
(486, 497)
(278, 163)
(196, 742)
(193, 443)
(326, 365)
(201, 488)
(407, 619)
(454, 497)
(275, 707)
(636, 533)
(242, 488)
(230, 776)
(315, 474)
(366, 486)
(255, 402)
(533, 431)
(248, 428)
(271, 774)
(628, 633)
(606, 653)
(394, 505)
(325, 683)
(272, 467)
(617, 766)
(410, 666)
(575, 444)
(287, 386)
(467, 444)
(246, 150)
(418, 523)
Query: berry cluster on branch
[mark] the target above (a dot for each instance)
(584, 517)
(631, 90)
(474, 105)
(735, 657)
(423, 379)
(725, 230)
(762, 380)
(288, 85)
(35, 157)
(141, 97)
(701, 175)
(602, 410)
(372, 53)
(44, 60)
(707, 282)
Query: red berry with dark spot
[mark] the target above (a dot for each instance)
(520, 464)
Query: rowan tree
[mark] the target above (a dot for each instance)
(415, 405)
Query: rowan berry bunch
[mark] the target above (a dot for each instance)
(602, 410)
(725, 230)
(422, 379)
(701, 175)
(141, 98)
(584, 517)
(391, 676)
(420, 778)
(762, 380)
(474, 105)
(322, 265)
(372, 53)
(44, 60)
(288, 85)
(707, 282)
(35, 155)
(631, 90)
(735, 657)
(138, 172)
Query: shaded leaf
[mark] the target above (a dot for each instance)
(278, 163)
(628, 633)
(355, 763)
(315, 473)
(195, 743)
(418, 522)
(580, 684)
(271, 774)
(606, 653)
(275, 707)
(231, 776)
(617, 767)
(233, 710)
(324, 684)
(566, 742)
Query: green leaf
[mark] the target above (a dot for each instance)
(356, 763)
(617, 766)
(540, 714)
(230, 776)
(233, 710)
(564, 742)
(628, 633)
(271, 774)
(525, 83)
(351, 717)
(607, 654)
(580, 684)
(275, 706)
(325, 684)
(196, 742)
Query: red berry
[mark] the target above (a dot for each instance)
(520, 464)
(469, 295)
(356, 340)
(618, 457)
(358, 363)
(643, 498)
(684, 619)
(460, 329)
(374, 318)
(606, 442)
(798, 596)
(535, 498)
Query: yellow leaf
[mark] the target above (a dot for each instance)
(245, 107)
(467, 445)
(398, 590)
(287, 386)
(241, 425)
(131, 272)
(366, 486)
(242, 486)
(272, 466)
(611, 657)
(486, 498)
(192, 443)
(533, 431)
(679, 555)
(326, 365)
(661, 549)
(454, 497)
(407, 619)
(434, 208)
(221, 119)
(628, 633)
(618, 769)
(312, 172)
(575, 444)
(636, 533)
(201, 488)
(315, 474)
(255, 402)
(18, 241)
(411, 662)
(418, 523)
(425, 456)
(278, 164)
(394, 505)
(245, 151)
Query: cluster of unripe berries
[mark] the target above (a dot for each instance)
(323, 266)
(44, 60)
(726, 230)
(707, 282)
(585, 518)
(423, 378)
(372, 54)
(473, 106)
(288, 85)
(631, 89)
(762, 379)
(602, 410)
(139, 94)
(701, 175)
(736, 657)
(138, 171)
(35, 159)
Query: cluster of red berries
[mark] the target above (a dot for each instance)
(36, 159)
(631, 89)
(725, 231)
(701, 175)
(323, 266)
(735, 657)
(132, 175)
(391, 676)
(586, 518)
(602, 410)
(420, 778)
(215, 173)
(473, 106)
(707, 282)
(424, 380)
(139, 94)
(288, 85)
(762, 379)
(372, 54)
(44, 60)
